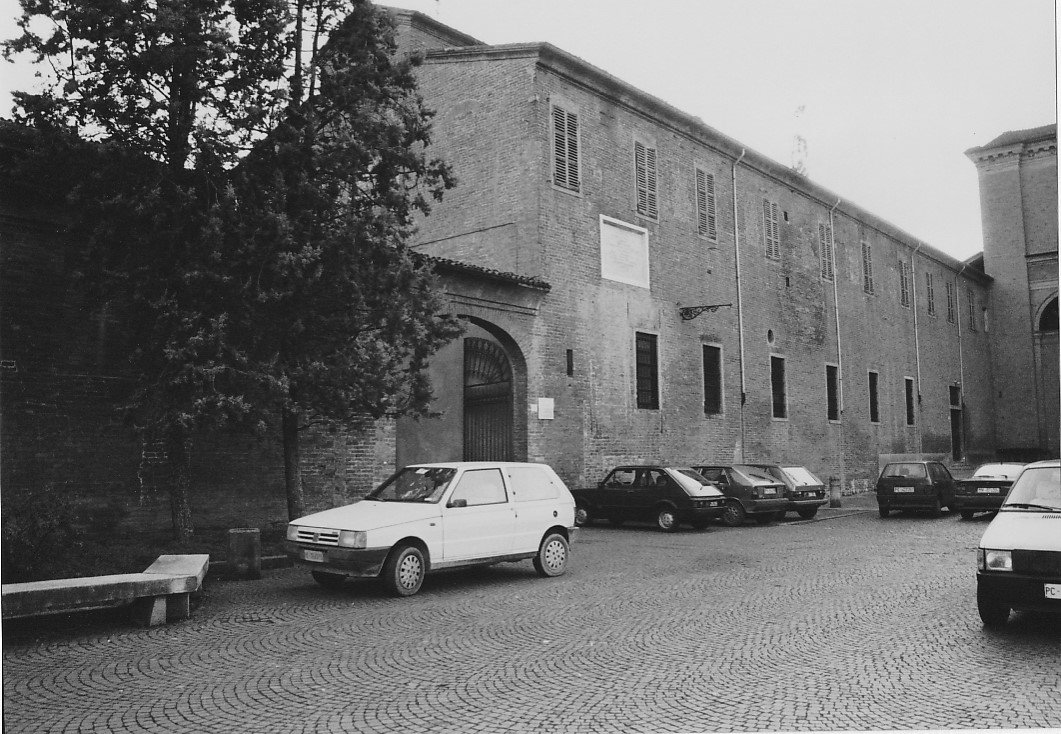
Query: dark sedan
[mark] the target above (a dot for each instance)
(667, 495)
(985, 489)
(750, 492)
(803, 490)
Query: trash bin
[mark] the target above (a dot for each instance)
(245, 553)
(835, 490)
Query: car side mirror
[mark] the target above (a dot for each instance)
(457, 503)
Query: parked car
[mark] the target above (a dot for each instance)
(985, 489)
(804, 492)
(750, 492)
(666, 494)
(1018, 561)
(428, 517)
(915, 485)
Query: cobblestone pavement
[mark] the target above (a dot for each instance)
(848, 622)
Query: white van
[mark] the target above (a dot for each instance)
(1019, 558)
(433, 516)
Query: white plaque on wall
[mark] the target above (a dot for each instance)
(623, 252)
(545, 409)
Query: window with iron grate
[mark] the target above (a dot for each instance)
(647, 371)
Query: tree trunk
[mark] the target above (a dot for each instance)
(180, 506)
(296, 505)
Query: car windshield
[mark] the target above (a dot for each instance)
(415, 484)
(998, 471)
(801, 475)
(1038, 488)
(755, 474)
(904, 471)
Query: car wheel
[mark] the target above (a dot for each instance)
(883, 511)
(403, 573)
(808, 514)
(552, 555)
(733, 514)
(328, 580)
(993, 613)
(666, 519)
(581, 516)
(967, 514)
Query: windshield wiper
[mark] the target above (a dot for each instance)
(1029, 506)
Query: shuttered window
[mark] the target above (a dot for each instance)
(825, 248)
(712, 379)
(867, 267)
(645, 180)
(930, 293)
(565, 149)
(647, 371)
(771, 232)
(971, 306)
(705, 204)
(904, 283)
(950, 302)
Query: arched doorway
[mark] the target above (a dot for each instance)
(487, 401)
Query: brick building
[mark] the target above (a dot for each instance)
(635, 285)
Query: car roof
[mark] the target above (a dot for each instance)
(472, 464)
(1044, 464)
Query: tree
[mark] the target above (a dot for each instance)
(266, 289)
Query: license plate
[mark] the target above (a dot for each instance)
(1053, 591)
(315, 556)
(904, 490)
(987, 490)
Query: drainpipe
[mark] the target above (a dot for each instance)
(917, 346)
(740, 309)
(839, 350)
(961, 359)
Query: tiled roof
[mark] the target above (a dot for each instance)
(1015, 137)
(444, 263)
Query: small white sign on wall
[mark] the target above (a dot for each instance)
(623, 252)
(545, 408)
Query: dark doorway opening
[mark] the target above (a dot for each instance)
(487, 401)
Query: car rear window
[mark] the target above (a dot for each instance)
(912, 471)
(801, 475)
(755, 474)
(999, 471)
(531, 483)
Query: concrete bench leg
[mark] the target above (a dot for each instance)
(149, 611)
(178, 606)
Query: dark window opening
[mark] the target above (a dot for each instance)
(832, 392)
(874, 403)
(647, 371)
(712, 380)
(955, 396)
(570, 362)
(777, 387)
(909, 402)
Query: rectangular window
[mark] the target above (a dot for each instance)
(867, 267)
(825, 249)
(570, 362)
(832, 392)
(778, 387)
(904, 283)
(705, 204)
(645, 179)
(970, 301)
(909, 401)
(647, 371)
(874, 399)
(930, 291)
(565, 149)
(712, 379)
(771, 232)
(955, 396)
(950, 302)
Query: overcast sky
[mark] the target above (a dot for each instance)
(888, 94)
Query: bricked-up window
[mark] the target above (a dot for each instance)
(565, 149)
(647, 371)
(874, 399)
(970, 304)
(712, 379)
(645, 180)
(825, 248)
(832, 392)
(930, 293)
(771, 231)
(950, 302)
(909, 401)
(867, 267)
(706, 222)
(778, 387)
(904, 283)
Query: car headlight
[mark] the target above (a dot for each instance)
(994, 560)
(292, 532)
(353, 539)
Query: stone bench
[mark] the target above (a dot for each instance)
(161, 593)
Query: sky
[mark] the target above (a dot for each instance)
(886, 94)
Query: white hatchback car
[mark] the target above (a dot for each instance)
(433, 516)
(1019, 558)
